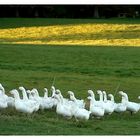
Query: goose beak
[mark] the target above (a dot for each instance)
(88, 98)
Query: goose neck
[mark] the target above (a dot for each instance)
(2, 90)
(101, 97)
(61, 98)
(46, 95)
(16, 96)
(124, 99)
(25, 97)
(93, 98)
(105, 97)
(111, 98)
(73, 98)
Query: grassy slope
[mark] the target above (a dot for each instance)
(70, 32)
(76, 68)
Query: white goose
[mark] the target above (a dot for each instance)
(94, 107)
(6, 99)
(3, 103)
(55, 101)
(96, 103)
(44, 103)
(100, 102)
(31, 97)
(24, 94)
(119, 107)
(61, 108)
(77, 108)
(79, 103)
(53, 90)
(32, 100)
(130, 106)
(81, 113)
(95, 110)
(48, 99)
(22, 105)
(111, 98)
(107, 106)
(65, 100)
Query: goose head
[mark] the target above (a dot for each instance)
(90, 93)
(45, 90)
(28, 91)
(120, 93)
(70, 93)
(15, 93)
(21, 88)
(58, 91)
(99, 92)
(72, 97)
(52, 88)
(104, 92)
(124, 95)
(34, 91)
(110, 96)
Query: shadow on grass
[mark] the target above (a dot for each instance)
(6, 23)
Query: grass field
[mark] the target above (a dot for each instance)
(30, 57)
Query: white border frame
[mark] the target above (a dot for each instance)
(70, 2)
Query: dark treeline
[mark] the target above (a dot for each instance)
(70, 11)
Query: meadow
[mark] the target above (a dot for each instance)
(81, 54)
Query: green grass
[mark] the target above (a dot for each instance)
(75, 67)
(78, 69)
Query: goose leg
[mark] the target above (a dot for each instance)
(76, 119)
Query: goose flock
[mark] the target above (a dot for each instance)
(31, 102)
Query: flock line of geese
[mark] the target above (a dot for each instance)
(72, 107)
